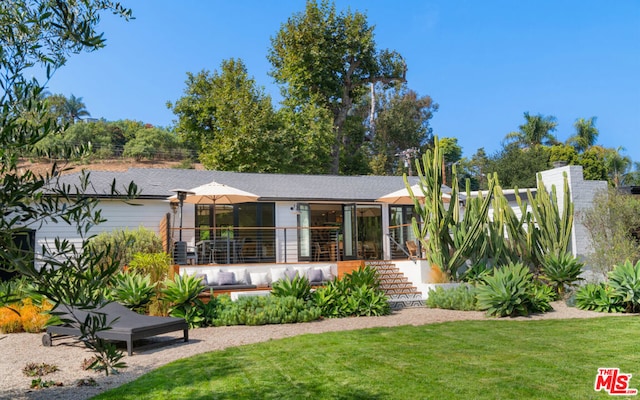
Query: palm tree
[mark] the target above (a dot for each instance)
(586, 134)
(617, 165)
(537, 130)
(74, 108)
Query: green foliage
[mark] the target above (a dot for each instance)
(540, 297)
(593, 164)
(535, 131)
(476, 273)
(518, 167)
(561, 271)
(402, 122)
(447, 238)
(363, 276)
(156, 265)
(45, 34)
(611, 223)
(108, 357)
(586, 134)
(298, 287)
(510, 291)
(182, 294)
(133, 290)
(461, 297)
(553, 221)
(152, 143)
(262, 310)
(355, 294)
(624, 282)
(232, 121)
(597, 297)
(34, 369)
(564, 153)
(124, 244)
(329, 59)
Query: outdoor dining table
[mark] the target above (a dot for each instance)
(208, 249)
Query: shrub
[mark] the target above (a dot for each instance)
(121, 245)
(541, 296)
(597, 297)
(624, 282)
(462, 297)
(24, 316)
(182, 295)
(356, 294)
(298, 287)
(561, 271)
(10, 320)
(510, 291)
(363, 276)
(262, 310)
(133, 290)
(476, 273)
(611, 222)
(157, 265)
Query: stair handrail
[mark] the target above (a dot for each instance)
(401, 247)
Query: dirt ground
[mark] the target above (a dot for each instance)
(99, 165)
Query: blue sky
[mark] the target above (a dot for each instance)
(484, 62)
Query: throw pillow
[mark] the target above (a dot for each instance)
(315, 275)
(202, 277)
(260, 279)
(277, 274)
(290, 274)
(226, 278)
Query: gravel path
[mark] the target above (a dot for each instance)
(19, 349)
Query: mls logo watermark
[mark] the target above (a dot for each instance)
(614, 382)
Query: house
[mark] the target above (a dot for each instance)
(296, 218)
(293, 214)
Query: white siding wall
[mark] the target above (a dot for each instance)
(118, 214)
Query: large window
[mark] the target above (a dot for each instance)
(250, 226)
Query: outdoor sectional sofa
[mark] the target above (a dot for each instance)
(125, 325)
(233, 279)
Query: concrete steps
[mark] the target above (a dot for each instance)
(397, 287)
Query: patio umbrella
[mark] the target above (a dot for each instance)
(402, 196)
(217, 193)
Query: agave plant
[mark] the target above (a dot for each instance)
(624, 281)
(561, 271)
(597, 297)
(133, 290)
(182, 293)
(298, 287)
(508, 292)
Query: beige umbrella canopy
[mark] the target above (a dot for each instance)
(402, 196)
(216, 193)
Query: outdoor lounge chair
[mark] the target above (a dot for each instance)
(126, 325)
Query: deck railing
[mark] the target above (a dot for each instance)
(233, 245)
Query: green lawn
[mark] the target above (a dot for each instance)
(491, 359)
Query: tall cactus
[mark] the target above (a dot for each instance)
(439, 225)
(554, 225)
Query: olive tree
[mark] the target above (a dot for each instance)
(41, 34)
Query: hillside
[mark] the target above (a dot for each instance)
(101, 165)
